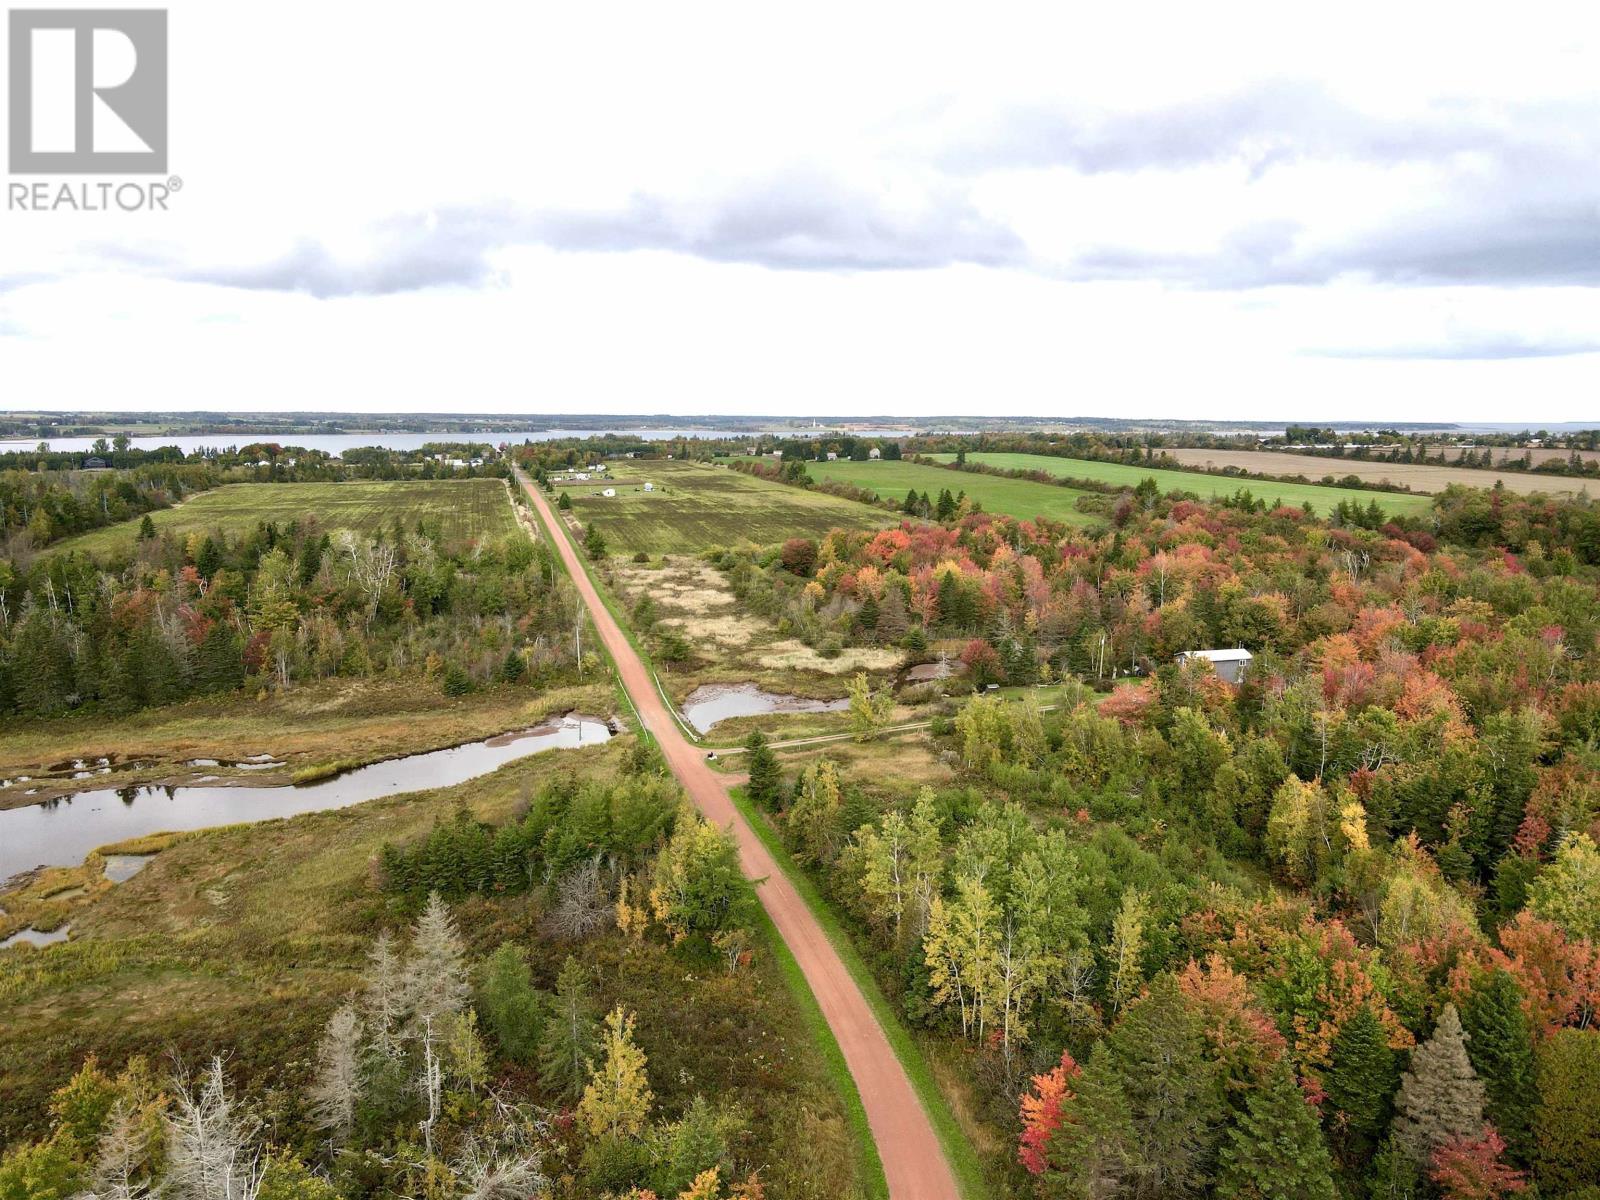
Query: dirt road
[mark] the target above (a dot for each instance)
(913, 1161)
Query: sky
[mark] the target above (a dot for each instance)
(1354, 212)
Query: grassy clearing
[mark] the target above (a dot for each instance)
(332, 722)
(1020, 498)
(1419, 477)
(1321, 498)
(694, 506)
(242, 940)
(466, 508)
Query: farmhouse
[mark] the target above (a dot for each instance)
(609, 492)
(1230, 665)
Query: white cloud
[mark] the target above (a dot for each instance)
(729, 208)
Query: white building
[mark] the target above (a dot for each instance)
(874, 453)
(609, 492)
(649, 487)
(1230, 665)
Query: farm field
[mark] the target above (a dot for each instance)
(1419, 477)
(1020, 498)
(1322, 499)
(695, 506)
(465, 508)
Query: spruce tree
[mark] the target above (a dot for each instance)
(568, 1041)
(1361, 1083)
(1501, 1049)
(1274, 1151)
(1440, 1096)
(435, 981)
(766, 776)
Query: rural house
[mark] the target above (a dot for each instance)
(1230, 665)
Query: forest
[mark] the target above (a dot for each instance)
(1329, 933)
(174, 617)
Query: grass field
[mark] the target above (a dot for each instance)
(695, 506)
(1419, 477)
(464, 507)
(1021, 498)
(1322, 499)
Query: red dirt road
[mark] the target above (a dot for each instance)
(913, 1162)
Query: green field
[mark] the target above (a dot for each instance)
(1021, 498)
(1322, 499)
(464, 507)
(695, 506)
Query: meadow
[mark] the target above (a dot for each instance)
(1321, 498)
(694, 506)
(465, 508)
(242, 940)
(1419, 477)
(1020, 498)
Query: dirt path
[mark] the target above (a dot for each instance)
(913, 1162)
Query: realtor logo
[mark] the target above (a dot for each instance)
(88, 91)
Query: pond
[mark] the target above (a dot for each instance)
(60, 833)
(34, 938)
(719, 701)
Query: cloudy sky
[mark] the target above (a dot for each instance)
(1386, 212)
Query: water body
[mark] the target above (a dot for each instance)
(719, 701)
(60, 833)
(338, 443)
(122, 867)
(33, 937)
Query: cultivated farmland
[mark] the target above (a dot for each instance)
(465, 508)
(1322, 499)
(693, 506)
(1419, 477)
(1020, 498)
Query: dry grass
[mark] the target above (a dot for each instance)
(1418, 477)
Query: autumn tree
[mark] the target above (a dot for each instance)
(869, 711)
(616, 1102)
(699, 890)
(813, 817)
(1567, 892)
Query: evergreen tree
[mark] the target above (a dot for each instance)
(435, 979)
(1567, 1142)
(1501, 1049)
(147, 529)
(513, 1010)
(1361, 1084)
(766, 774)
(1440, 1097)
(594, 543)
(568, 1041)
(1275, 1151)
